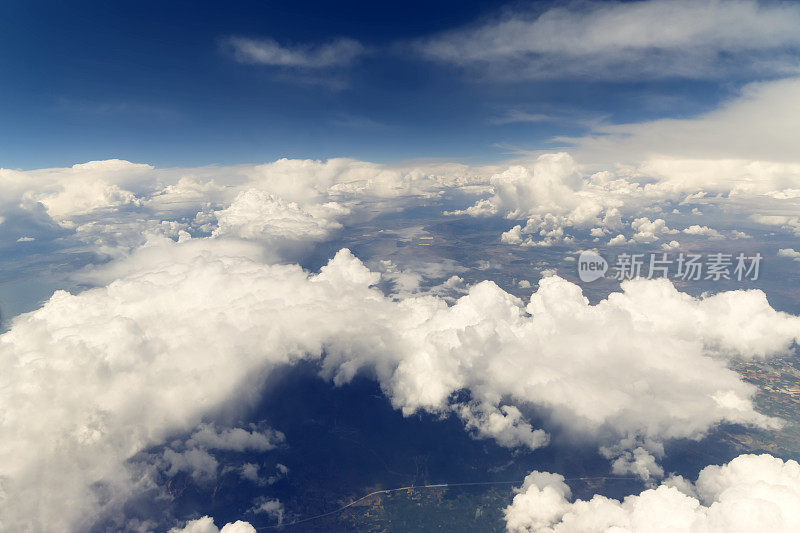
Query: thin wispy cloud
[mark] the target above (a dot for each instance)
(358, 122)
(629, 40)
(337, 53)
(515, 116)
(115, 108)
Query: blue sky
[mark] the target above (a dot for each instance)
(161, 82)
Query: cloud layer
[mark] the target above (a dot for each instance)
(92, 379)
(628, 40)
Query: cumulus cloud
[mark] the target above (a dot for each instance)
(260, 215)
(235, 439)
(752, 493)
(199, 312)
(739, 157)
(618, 240)
(628, 40)
(556, 196)
(79, 189)
(553, 195)
(789, 252)
(112, 207)
(206, 525)
(337, 53)
(647, 231)
(124, 349)
(186, 331)
(272, 508)
(703, 231)
(562, 201)
(195, 457)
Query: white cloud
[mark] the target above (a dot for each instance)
(647, 371)
(788, 223)
(743, 145)
(77, 190)
(703, 231)
(629, 40)
(739, 157)
(751, 494)
(180, 338)
(337, 53)
(619, 240)
(234, 439)
(647, 231)
(206, 525)
(111, 207)
(198, 463)
(788, 252)
(273, 508)
(197, 324)
(553, 195)
(556, 196)
(628, 458)
(260, 215)
(514, 116)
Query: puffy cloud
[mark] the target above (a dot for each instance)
(554, 194)
(206, 525)
(272, 508)
(738, 157)
(646, 39)
(188, 327)
(561, 201)
(178, 338)
(752, 493)
(505, 425)
(549, 185)
(541, 501)
(196, 462)
(556, 197)
(704, 231)
(619, 240)
(194, 458)
(632, 459)
(79, 189)
(311, 180)
(789, 252)
(235, 439)
(647, 231)
(259, 215)
(112, 207)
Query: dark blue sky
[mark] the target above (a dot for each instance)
(155, 82)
